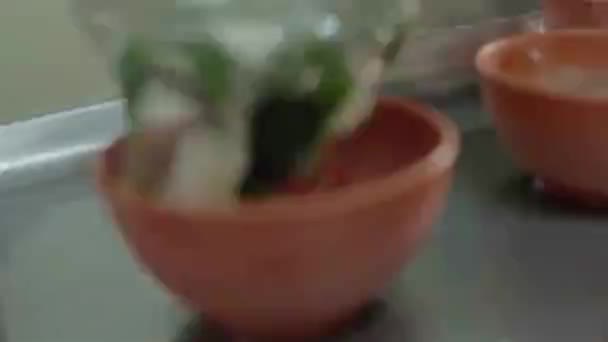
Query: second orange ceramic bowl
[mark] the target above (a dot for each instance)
(297, 265)
(562, 14)
(548, 94)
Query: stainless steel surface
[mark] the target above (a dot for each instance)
(65, 275)
(505, 265)
(439, 60)
(465, 12)
(461, 105)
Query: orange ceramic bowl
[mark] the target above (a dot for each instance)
(296, 265)
(559, 14)
(543, 92)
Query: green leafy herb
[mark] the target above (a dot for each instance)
(209, 83)
(133, 75)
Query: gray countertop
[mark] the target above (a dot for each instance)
(505, 265)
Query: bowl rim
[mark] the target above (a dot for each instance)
(438, 160)
(487, 66)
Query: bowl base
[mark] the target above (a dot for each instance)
(571, 195)
(203, 329)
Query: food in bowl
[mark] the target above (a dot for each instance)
(576, 80)
(547, 94)
(228, 145)
(248, 95)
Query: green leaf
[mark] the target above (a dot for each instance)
(215, 68)
(294, 59)
(209, 83)
(336, 80)
(133, 74)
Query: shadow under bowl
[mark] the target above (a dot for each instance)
(548, 94)
(299, 265)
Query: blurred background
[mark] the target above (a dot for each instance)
(47, 65)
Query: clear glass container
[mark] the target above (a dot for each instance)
(208, 68)
(251, 34)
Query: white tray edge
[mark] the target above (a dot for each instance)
(48, 147)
